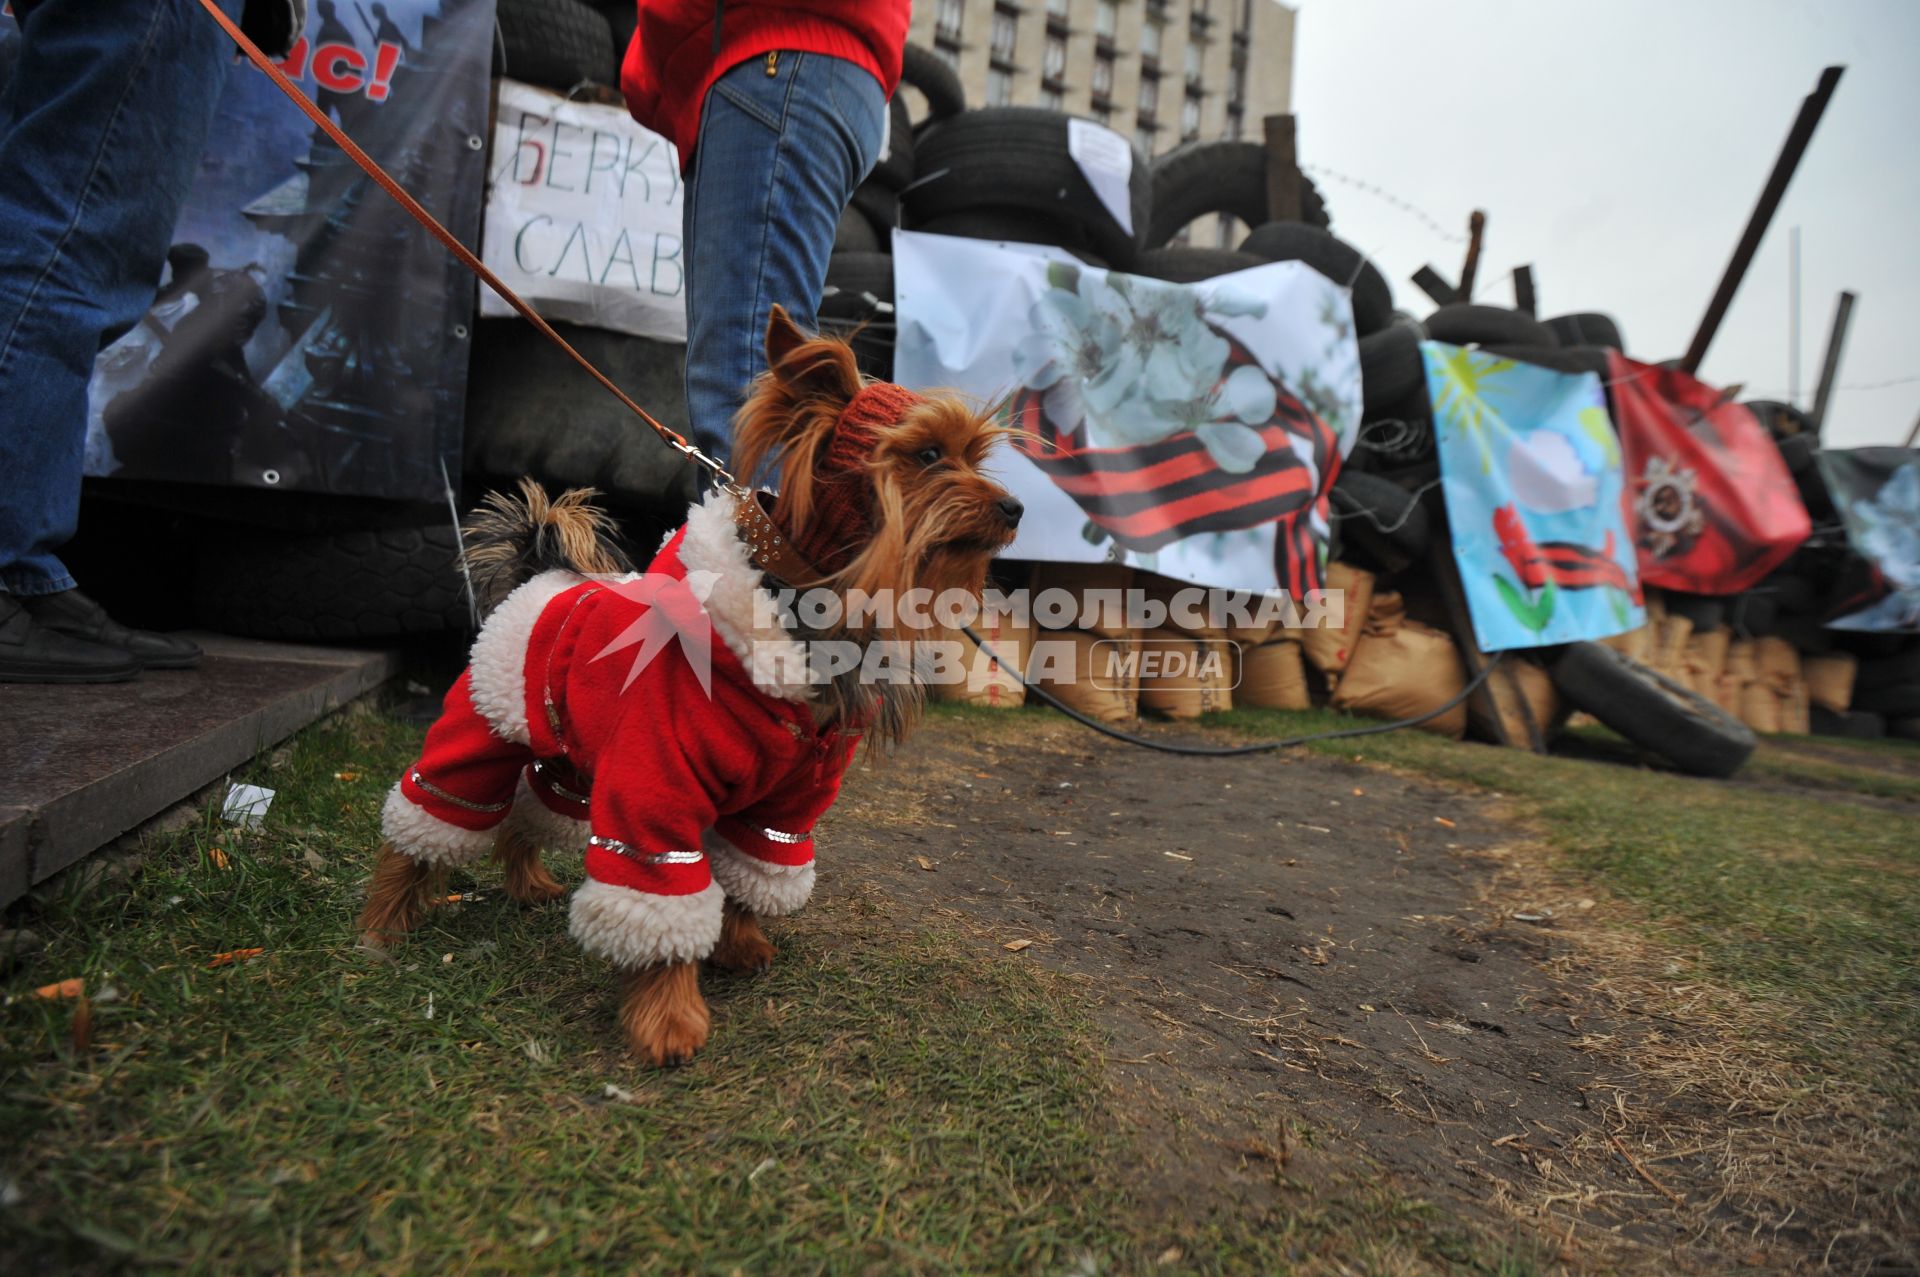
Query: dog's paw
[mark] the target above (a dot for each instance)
(671, 1040)
(750, 952)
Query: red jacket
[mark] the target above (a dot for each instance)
(672, 60)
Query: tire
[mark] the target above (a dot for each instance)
(1792, 593)
(1588, 328)
(1019, 225)
(1391, 368)
(938, 83)
(1889, 671)
(1781, 420)
(1806, 633)
(855, 234)
(622, 16)
(531, 411)
(1399, 434)
(1902, 700)
(1470, 323)
(1333, 257)
(857, 303)
(1591, 359)
(1752, 614)
(1904, 728)
(1381, 520)
(1705, 611)
(1855, 723)
(895, 169)
(881, 208)
(1653, 711)
(1797, 451)
(1016, 157)
(1179, 265)
(1198, 178)
(556, 44)
(339, 585)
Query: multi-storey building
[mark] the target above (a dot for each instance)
(1160, 71)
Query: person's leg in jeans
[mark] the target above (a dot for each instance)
(102, 124)
(777, 159)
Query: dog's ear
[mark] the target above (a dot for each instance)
(810, 367)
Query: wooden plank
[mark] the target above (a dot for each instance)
(1476, 235)
(1523, 290)
(1283, 169)
(1830, 366)
(1435, 285)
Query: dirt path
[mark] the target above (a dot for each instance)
(1293, 957)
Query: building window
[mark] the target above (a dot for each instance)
(999, 86)
(1053, 99)
(1053, 64)
(1150, 34)
(946, 31)
(1103, 113)
(1144, 137)
(1005, 32)
(1149, 94)
(1194, 52)
(1106, 19)
(1190, 119)
(1236, 123)
(1102, 79)
(1056, 8)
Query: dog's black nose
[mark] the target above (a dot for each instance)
(1011, 510)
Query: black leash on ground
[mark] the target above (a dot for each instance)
(1231, 751)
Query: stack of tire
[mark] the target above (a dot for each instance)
(562, 44)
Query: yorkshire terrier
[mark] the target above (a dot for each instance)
(597, 710)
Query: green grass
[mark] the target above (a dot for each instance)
(1808, 905)
(883, 1101)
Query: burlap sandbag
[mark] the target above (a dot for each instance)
(1092, 612)
(1163, 591)
(1087, 672)
(1768, 702)
(1730, 688)
(1516, 680)
(1670, 635)
(1829, 680)
(988, 681)
(1328, 648)
(1705, 657)
(1760, 706)
(1273, 675)
(1637, 644)
(1401, 669)
(1182, 676)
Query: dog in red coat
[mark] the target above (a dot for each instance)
(675, 722)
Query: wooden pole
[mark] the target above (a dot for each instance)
(1435, 285)
(1830, 366)
(1523, 290)
(1795, 147)
(1912, 434)
(1283, 169)
(1476, 232)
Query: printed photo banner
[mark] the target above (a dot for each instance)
(306, 333)
(1187, 429)
(1531, 472)
(1709, 500)
(583, 216)
(1877, 492)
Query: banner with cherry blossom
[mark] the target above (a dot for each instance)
(1187, 429)
(1532, 475)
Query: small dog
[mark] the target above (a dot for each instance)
(594, 710)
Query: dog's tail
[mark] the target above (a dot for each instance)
(512, 539)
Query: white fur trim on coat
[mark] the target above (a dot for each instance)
(420, 835)
(740, 605)
(543, 826)
(767, 889)
(499, 659)
(635, 928)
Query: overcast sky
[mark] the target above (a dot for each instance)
(1618, 146)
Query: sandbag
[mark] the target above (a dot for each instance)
(1670, 635)
(989, 681)
(1635, 643)
(1774, 700)
(1516, 680)
(1402, 669)
(1705, 657)
(1829, 680)
(1182, 676)
(1328, 648)
(1081, 579)
(1087, 672)
(1730, 688)
(1273, 675)
(1760, 707)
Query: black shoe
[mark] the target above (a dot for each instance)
(74, 615)
(31, 653)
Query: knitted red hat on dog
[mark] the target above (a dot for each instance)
(842, 494)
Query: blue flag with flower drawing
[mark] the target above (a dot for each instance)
(1530, 468)
(1188, 429)
(1877, 492)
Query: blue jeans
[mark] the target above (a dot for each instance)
(101, 127)
(777, 159)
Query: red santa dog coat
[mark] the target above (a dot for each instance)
(696, 793)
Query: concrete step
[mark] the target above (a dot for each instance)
(82, 764)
